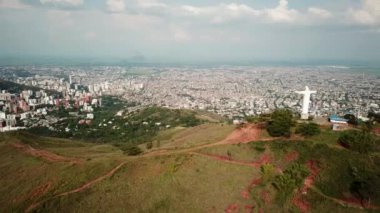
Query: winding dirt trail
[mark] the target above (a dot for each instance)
(304, 206)
(43, 154)
(92, 182)
(353, 203)
(245, 134)
(79, 189)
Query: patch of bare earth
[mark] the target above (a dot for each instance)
(245, 134)
(232, 208)
(298, 199)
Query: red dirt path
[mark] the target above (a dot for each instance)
(92, 182)
(81, 188)
(245, 134)
(46, 155)
(35, 193)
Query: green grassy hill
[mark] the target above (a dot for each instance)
(193, 170)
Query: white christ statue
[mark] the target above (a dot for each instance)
(306, 101)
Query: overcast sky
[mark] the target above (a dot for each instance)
(196, 30)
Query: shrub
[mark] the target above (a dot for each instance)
(359, 141)
(259, 147)
(292, 178)
(149, 145)
(131, 150)
(267, 172)
(308, 129)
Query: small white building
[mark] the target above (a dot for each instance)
(90, 116)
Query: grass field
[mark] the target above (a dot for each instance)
(191, 171)
(198, 135)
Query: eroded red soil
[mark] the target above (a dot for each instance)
(302, 205)
(232, 208)
(298, 200)
(245, 134)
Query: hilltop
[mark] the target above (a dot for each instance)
(210, 167)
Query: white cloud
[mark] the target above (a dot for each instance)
(319, 12)
(12, 4)
(368, 14)
(115, 6)
(226, 12)
(220, 13)
(150, 3)
(282, 13)
(62, 2)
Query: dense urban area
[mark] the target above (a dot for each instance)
(230, 91)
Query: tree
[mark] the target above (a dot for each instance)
(280, 123)
(351, 119)
(293, 177)
(308, 129)
(374, 116)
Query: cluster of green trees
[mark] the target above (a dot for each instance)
(280, 123)
(136, 128)
(359, 141)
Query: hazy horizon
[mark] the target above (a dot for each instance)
(167, 31)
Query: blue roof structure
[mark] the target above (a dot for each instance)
(337, 118)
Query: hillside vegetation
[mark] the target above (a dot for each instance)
(130, 128)
(212, 167)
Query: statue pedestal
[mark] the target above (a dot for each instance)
(305, 116)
